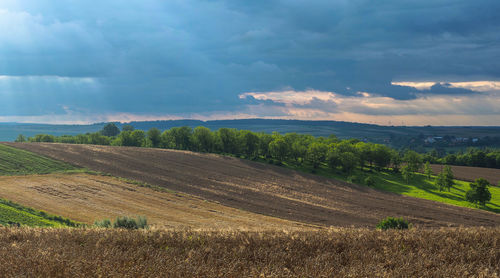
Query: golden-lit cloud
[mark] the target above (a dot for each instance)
(477, 109)
(478, 86)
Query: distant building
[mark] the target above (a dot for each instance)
(429, 140)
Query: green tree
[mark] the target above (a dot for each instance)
(348, 161)
(130, 138)
(250, 143)
(406, 173)
(365, 152)
(138, 137)
(441, 181)
(381, 155)
(128, 128)
(298, 151)
(229, 140)
(278, 149)
(203, 139)
(110, 130)
(181, 137)
(448, 176)
(478, 192)
(97, 139)
(316, 153)
(20, 138)
(333, 157)
(445, 178)
(264, 142)
(413, 160)
(427, 170)
(154, 136)
(395, 160)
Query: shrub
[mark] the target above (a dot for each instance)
(103, 223)
(369, 181)
(124, 222)
(130, 223)
(393, 223)
(142, 222)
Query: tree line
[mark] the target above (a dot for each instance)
(288, 148)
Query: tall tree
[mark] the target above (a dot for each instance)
(427, 169)
(406, 173)
(316, 153)
(413, 160)
(110, 130)
(154, 136)
(20, 138)
(278, 149)
(203, 139)
(128, 128)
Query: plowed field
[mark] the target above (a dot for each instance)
(262, 188)
(471, 173)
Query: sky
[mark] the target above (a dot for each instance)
(389, 62)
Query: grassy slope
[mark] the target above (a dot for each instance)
(419, 186)
(19, 162)
(15, 213)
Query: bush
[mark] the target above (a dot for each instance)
(130, 223)
(369, 181)
(393, 223)
(103, 223)
(124, 222)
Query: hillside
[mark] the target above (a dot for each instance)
(262, 188)
(86, 198)
(18, 162)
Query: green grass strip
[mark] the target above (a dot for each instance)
(20, 162)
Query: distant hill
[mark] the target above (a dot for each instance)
(397, 136)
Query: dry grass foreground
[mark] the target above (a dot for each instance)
(467, 173)
(447, 252)
(262, 188)
(86, 198)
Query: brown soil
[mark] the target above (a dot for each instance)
(86, 198)
(262, 188)
(471, 173)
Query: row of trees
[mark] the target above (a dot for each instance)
(289, 148)
(473, 157)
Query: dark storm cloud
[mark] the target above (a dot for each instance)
(181, 57)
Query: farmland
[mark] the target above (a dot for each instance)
(86, 198)
(214, 216)
(446, 252)
(18, 162)
(471, 173)
(263, 189)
